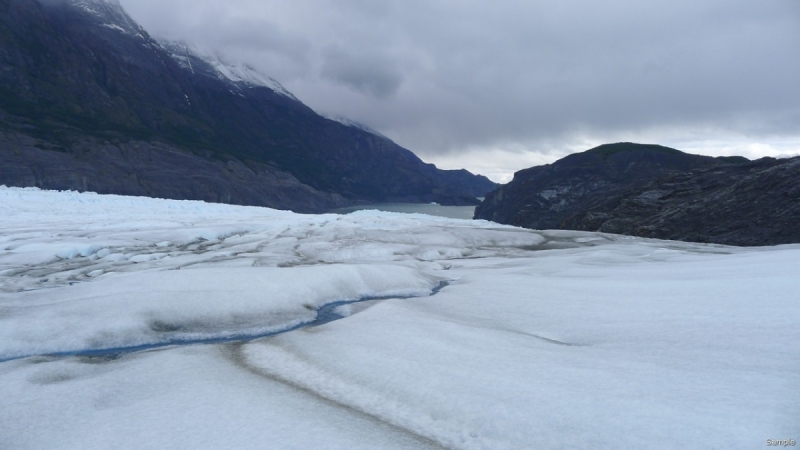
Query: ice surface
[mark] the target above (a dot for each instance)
(185, 398)
(133, 309)
(541, 339)
(566, 352)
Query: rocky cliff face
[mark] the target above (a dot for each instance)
(154, 169)
(757, 203)
(79, 77)
(658, 192)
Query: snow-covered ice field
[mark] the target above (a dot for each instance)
(464, 334)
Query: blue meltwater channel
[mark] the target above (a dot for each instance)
(325, 314)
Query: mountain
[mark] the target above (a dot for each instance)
(90, 101)
(658, 192)
(542, 197)
(757, 203)
(655, 191)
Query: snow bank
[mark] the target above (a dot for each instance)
(155, 307)
(573, 350)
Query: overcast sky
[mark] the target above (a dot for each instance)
(499, 86)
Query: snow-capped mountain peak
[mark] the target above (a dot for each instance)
(239, 74)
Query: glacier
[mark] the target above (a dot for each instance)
(470, 335)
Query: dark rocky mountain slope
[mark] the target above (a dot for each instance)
(153, 169)
(655, 191)
(757, 203)
(88, 100)
(543, 197)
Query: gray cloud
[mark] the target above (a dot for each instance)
(528, 75)
(370, 75)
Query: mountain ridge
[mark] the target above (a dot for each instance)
(544, 196)
(73, 78)
(745, 204)
(655, 191)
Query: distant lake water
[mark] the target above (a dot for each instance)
(453, 212)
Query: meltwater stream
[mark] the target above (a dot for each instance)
(325, 314)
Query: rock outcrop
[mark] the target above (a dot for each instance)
(655, 191)
(154, 170)
(751, 204)
(542, 197)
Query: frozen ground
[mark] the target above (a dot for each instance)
(537, 340)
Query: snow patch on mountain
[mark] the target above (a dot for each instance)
(242, 73)
(114, 27)
(112, 15)
(86, 7)
(239, 74)
(351, 123)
